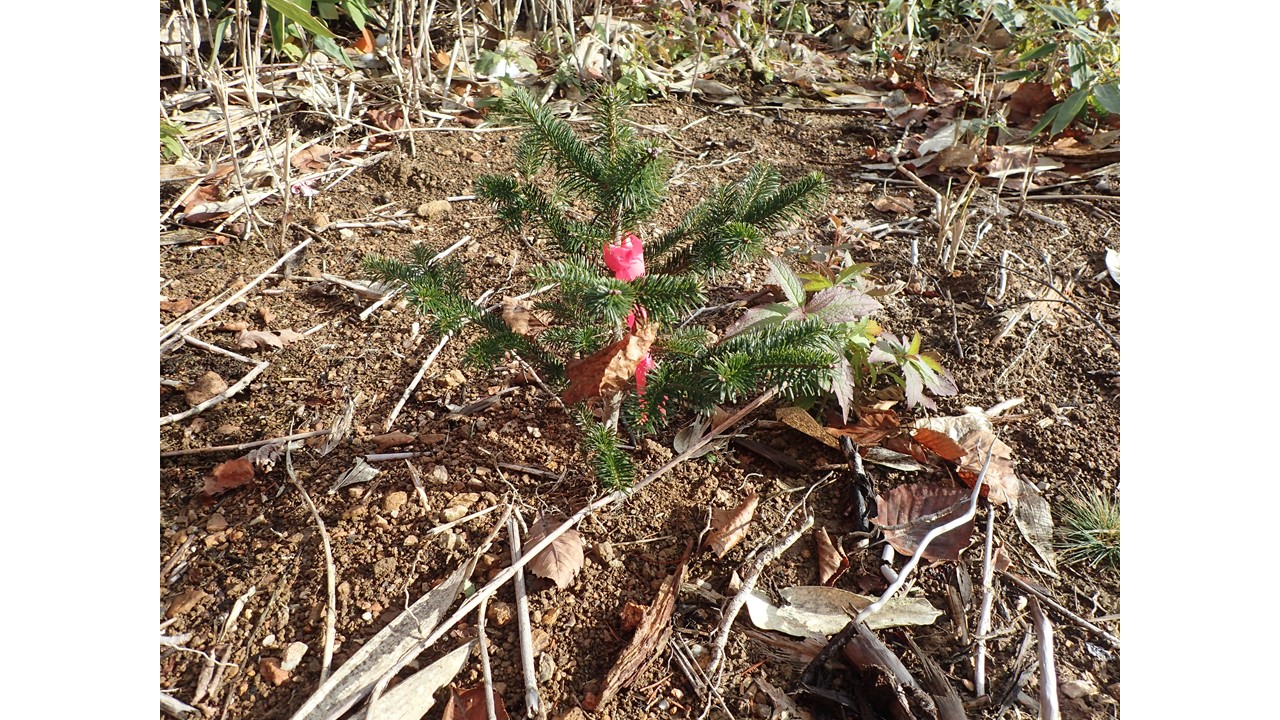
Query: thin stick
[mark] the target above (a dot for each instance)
(229, 392)
(242, 446)
(1106, 637)
(501, 578)
(484, 661)
(984, 618)
(331, 613)
(928, 538)
(239, 293)
(215, 349)
(422, 495)
(532, 701)
(1048, 670)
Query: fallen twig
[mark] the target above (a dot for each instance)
(874, 607)
(229, 392)
(331, 613)
(1048, 670)
(1106, 637)
(165, 347)
(491, 711)
(243, 446)
(532, 701)
(177, 708)
(984, 616)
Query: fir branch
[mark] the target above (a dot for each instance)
(547, 134)
(668, 297)
(609, 121)
(612, 466)
(776, 210)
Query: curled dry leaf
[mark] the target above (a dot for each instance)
(469, 704)
(1000, 485)
(562, 559)
(909, 512)
(392, 439)
(729, 527)
(393, 120)
(207, 386)
(831, 564)
(254, 339)
(228, 475)
(611, 369)
(872, 427)
(940, 444)
(893, 205)
(800, 420)
(177, 307)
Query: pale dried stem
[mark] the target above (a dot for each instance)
(1048, 668)
(1105, 636)
(532, 701)
(483, 639)
(984, 617)
(331, 613)
(243, 446)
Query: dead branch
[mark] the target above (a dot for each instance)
(243, 446)
(1048, 670)
(532, 701)
(331, 612)
(1106, 637)
(984, 617)
(229, 392)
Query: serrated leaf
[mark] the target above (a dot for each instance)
(791, 284)
(758, 318)
(562, 559)
(814, 282)
(842, 304)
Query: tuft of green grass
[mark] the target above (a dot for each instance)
(1090, 530)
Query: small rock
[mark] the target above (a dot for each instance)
(215, 539)
(207, 386)
(603, 551)
(269, 640)
(540, 639)
(272, 672)
(216, 523)
(228, 429)
(293, 655)
(177, 307)
(475, 156)
(410, 540)
(450, 514)
(550, 616)
(546, 668)
(394, 501)
(453, 378)
(500, 613)
(183, 603)
(439, 475)
(1079, 688)
(347, 234)
(384, 568)
(434, 210)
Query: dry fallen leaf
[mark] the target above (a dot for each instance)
(831, 564)
(177, 307)
(893, 205)
(254, 339)
(729, 527)
(272, 672)
(1029, 103)
(184, 601)
(313, 157)
(393, 120)
(872, 427)
(908, 512)
(801, 420)
(1035, 522)
(631, 615)
(205, 387)
(1000, 485)
(392, 439)
(940, 444)
(818, 611)
(520, 316)
(648, 644)
(469, 704)
(228, 475)
(611, 369)
(562, 559)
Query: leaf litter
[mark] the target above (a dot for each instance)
(562, 559)
(729, 527)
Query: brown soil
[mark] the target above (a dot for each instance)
(1065, 437)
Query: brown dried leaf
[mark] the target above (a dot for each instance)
(206, 386)
(1029, 103)
(729, 527)
(831, 564)
(908, 512)
(289, 336)
(200, 195)
(254, 339)
(184, 601)
(228, 475)
(940, 444)
(469, 704)
(177, 307)
(314, 157)
(392, 439)
(520, 316)
(387, 120)
(611, 369)
(800, 420)
(872, 426)
(649, 642)
(1000, 485)
(562, 559)
(893, 205)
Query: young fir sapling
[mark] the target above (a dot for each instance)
(613, 314)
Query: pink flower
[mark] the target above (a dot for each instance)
(626, 258)
(642, 369)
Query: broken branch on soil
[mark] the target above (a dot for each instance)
(507, 574)
(196, 409)
(928, 538)
(331, 617)
(532, 702)
(1048, 670)
(1106, 637)
(483, 639)
(984, 616)
(243, 446)
(165, 347)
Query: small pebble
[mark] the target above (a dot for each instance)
(394, 501)
(216, 523)
(293, 655)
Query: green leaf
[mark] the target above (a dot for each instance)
(1071, 107)
(1078, 65)
(327, 9)
(219, 32)
(330, 48)
(814, 281)
(1049, 116)
(1038, 52)
(1061, 15)
(853, 271)
(357, 10)
(1017, 75)
(1108, 96)
(790, 283)
(277, 22)
(295, 12)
